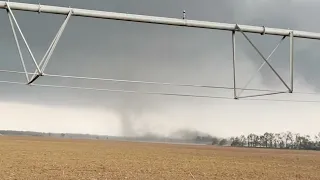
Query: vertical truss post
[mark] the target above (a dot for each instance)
(234, 64)
(291, 61)
(18, 46)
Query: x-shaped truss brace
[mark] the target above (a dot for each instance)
(236, 96)
(45, 60)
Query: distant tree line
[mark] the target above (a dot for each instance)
(287, 140)
(57, 135)
(22, 133)
(219, 141)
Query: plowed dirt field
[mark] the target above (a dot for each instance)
(49, 158)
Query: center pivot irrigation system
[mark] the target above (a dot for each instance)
(183, 22)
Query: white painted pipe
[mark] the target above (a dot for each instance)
(157, 20)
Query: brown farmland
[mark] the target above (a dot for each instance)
(44, 158)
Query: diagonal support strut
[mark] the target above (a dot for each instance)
(266, 61)
(57, 38)
(24, 39)
(47, 55)
(18, 46)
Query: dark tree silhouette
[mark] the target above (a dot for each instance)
(287, 140)
(223, 142)
(215, 141)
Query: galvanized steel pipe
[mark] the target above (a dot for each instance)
(157, 20)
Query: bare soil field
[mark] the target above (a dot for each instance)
(46, 158)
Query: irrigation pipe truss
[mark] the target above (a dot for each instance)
(183, 22)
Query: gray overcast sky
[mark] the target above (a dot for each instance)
(127, 50)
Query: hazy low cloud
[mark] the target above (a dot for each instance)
(22, 116)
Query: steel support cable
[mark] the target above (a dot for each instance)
(159, 83)
(169, 84)
(257, 95)
(162, 93)
(283, 100)
(119, 90)
(150, 82)
(142, 82)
